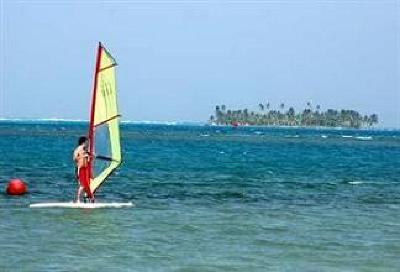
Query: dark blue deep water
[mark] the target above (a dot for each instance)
(207, 199)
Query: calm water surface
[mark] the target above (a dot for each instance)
(207, 199)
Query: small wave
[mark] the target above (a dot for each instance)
(324, 136)
(39, 120)
(292, 136)
(364, 138)
(168, 123)
(146, 122)
(347, 136)
(355, 182)
(59, 120)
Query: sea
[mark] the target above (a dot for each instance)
(207, 198)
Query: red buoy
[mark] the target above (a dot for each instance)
(16, 187)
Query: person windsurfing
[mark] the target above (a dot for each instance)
(81, 159)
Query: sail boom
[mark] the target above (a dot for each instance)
(104, 158)
(109, 119)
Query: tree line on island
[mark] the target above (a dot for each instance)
(281, 117)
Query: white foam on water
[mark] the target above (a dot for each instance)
(167, 123)
(42, 120)
(355, 182)
(292, 136)
(364, 138)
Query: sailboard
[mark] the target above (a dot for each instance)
(74, 205)
(104, 132)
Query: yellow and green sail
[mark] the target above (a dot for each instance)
(104, 136)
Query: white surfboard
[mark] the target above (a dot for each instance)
(81, 205)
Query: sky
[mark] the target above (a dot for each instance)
(178, 59)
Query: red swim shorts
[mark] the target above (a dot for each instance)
(83, 177)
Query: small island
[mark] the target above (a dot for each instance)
(306, 118)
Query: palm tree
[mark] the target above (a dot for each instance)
(261, 106)
(218, 114)
(282, 106)
(374, 119)
(246, 116)
(365, 120)
(229, 116)
(240, 116)
(212, 119)
(291, 114)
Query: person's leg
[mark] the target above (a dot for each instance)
(85, 177)
(83, 181)
(78, 194)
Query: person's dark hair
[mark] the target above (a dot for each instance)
(82, 139)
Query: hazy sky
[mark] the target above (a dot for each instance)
(177, 60)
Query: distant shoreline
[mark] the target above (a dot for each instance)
(308, 117)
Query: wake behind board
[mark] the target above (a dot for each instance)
(74, 205)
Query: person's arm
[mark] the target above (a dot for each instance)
(86, 157)
(86, 154)
(75, 156)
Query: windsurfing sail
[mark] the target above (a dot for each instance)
(104, 136)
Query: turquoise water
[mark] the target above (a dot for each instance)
(207, 199)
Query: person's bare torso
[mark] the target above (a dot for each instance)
(80, 157)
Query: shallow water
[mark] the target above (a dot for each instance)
(207, 199)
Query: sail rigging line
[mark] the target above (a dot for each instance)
(108, 67)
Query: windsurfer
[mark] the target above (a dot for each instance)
(81, 158)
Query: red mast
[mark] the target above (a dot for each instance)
(91, 124)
